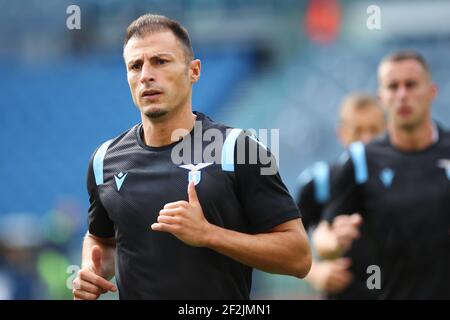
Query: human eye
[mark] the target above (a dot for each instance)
(135, 66)
(161, 61)
(393, 86)
(411, 84)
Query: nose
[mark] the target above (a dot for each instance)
(402, 92)
(147, 73)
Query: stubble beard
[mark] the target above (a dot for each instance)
(157, 114)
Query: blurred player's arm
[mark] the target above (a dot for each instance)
(333, 240)
(341, 219)
(307, 203)
(331, 276)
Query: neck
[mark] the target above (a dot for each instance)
(412, 139)
(158, 132)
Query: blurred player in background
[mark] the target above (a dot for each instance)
(401, 187)
(361, 118)
(193, 231)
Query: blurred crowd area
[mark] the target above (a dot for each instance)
(283, 64)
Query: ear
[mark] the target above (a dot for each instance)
(195, 67)
(380, 99)
(434, 91)
(340, 132)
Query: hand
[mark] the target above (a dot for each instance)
(346, 230)
(324, 241)
(185, 220)
(90, 283)
(331, 276)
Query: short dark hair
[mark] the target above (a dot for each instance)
(152, 23)
(406, 55)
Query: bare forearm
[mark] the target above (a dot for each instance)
(108, 257)
(280, 251)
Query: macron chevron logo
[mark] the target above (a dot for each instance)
(387, 175)
(120, 178)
